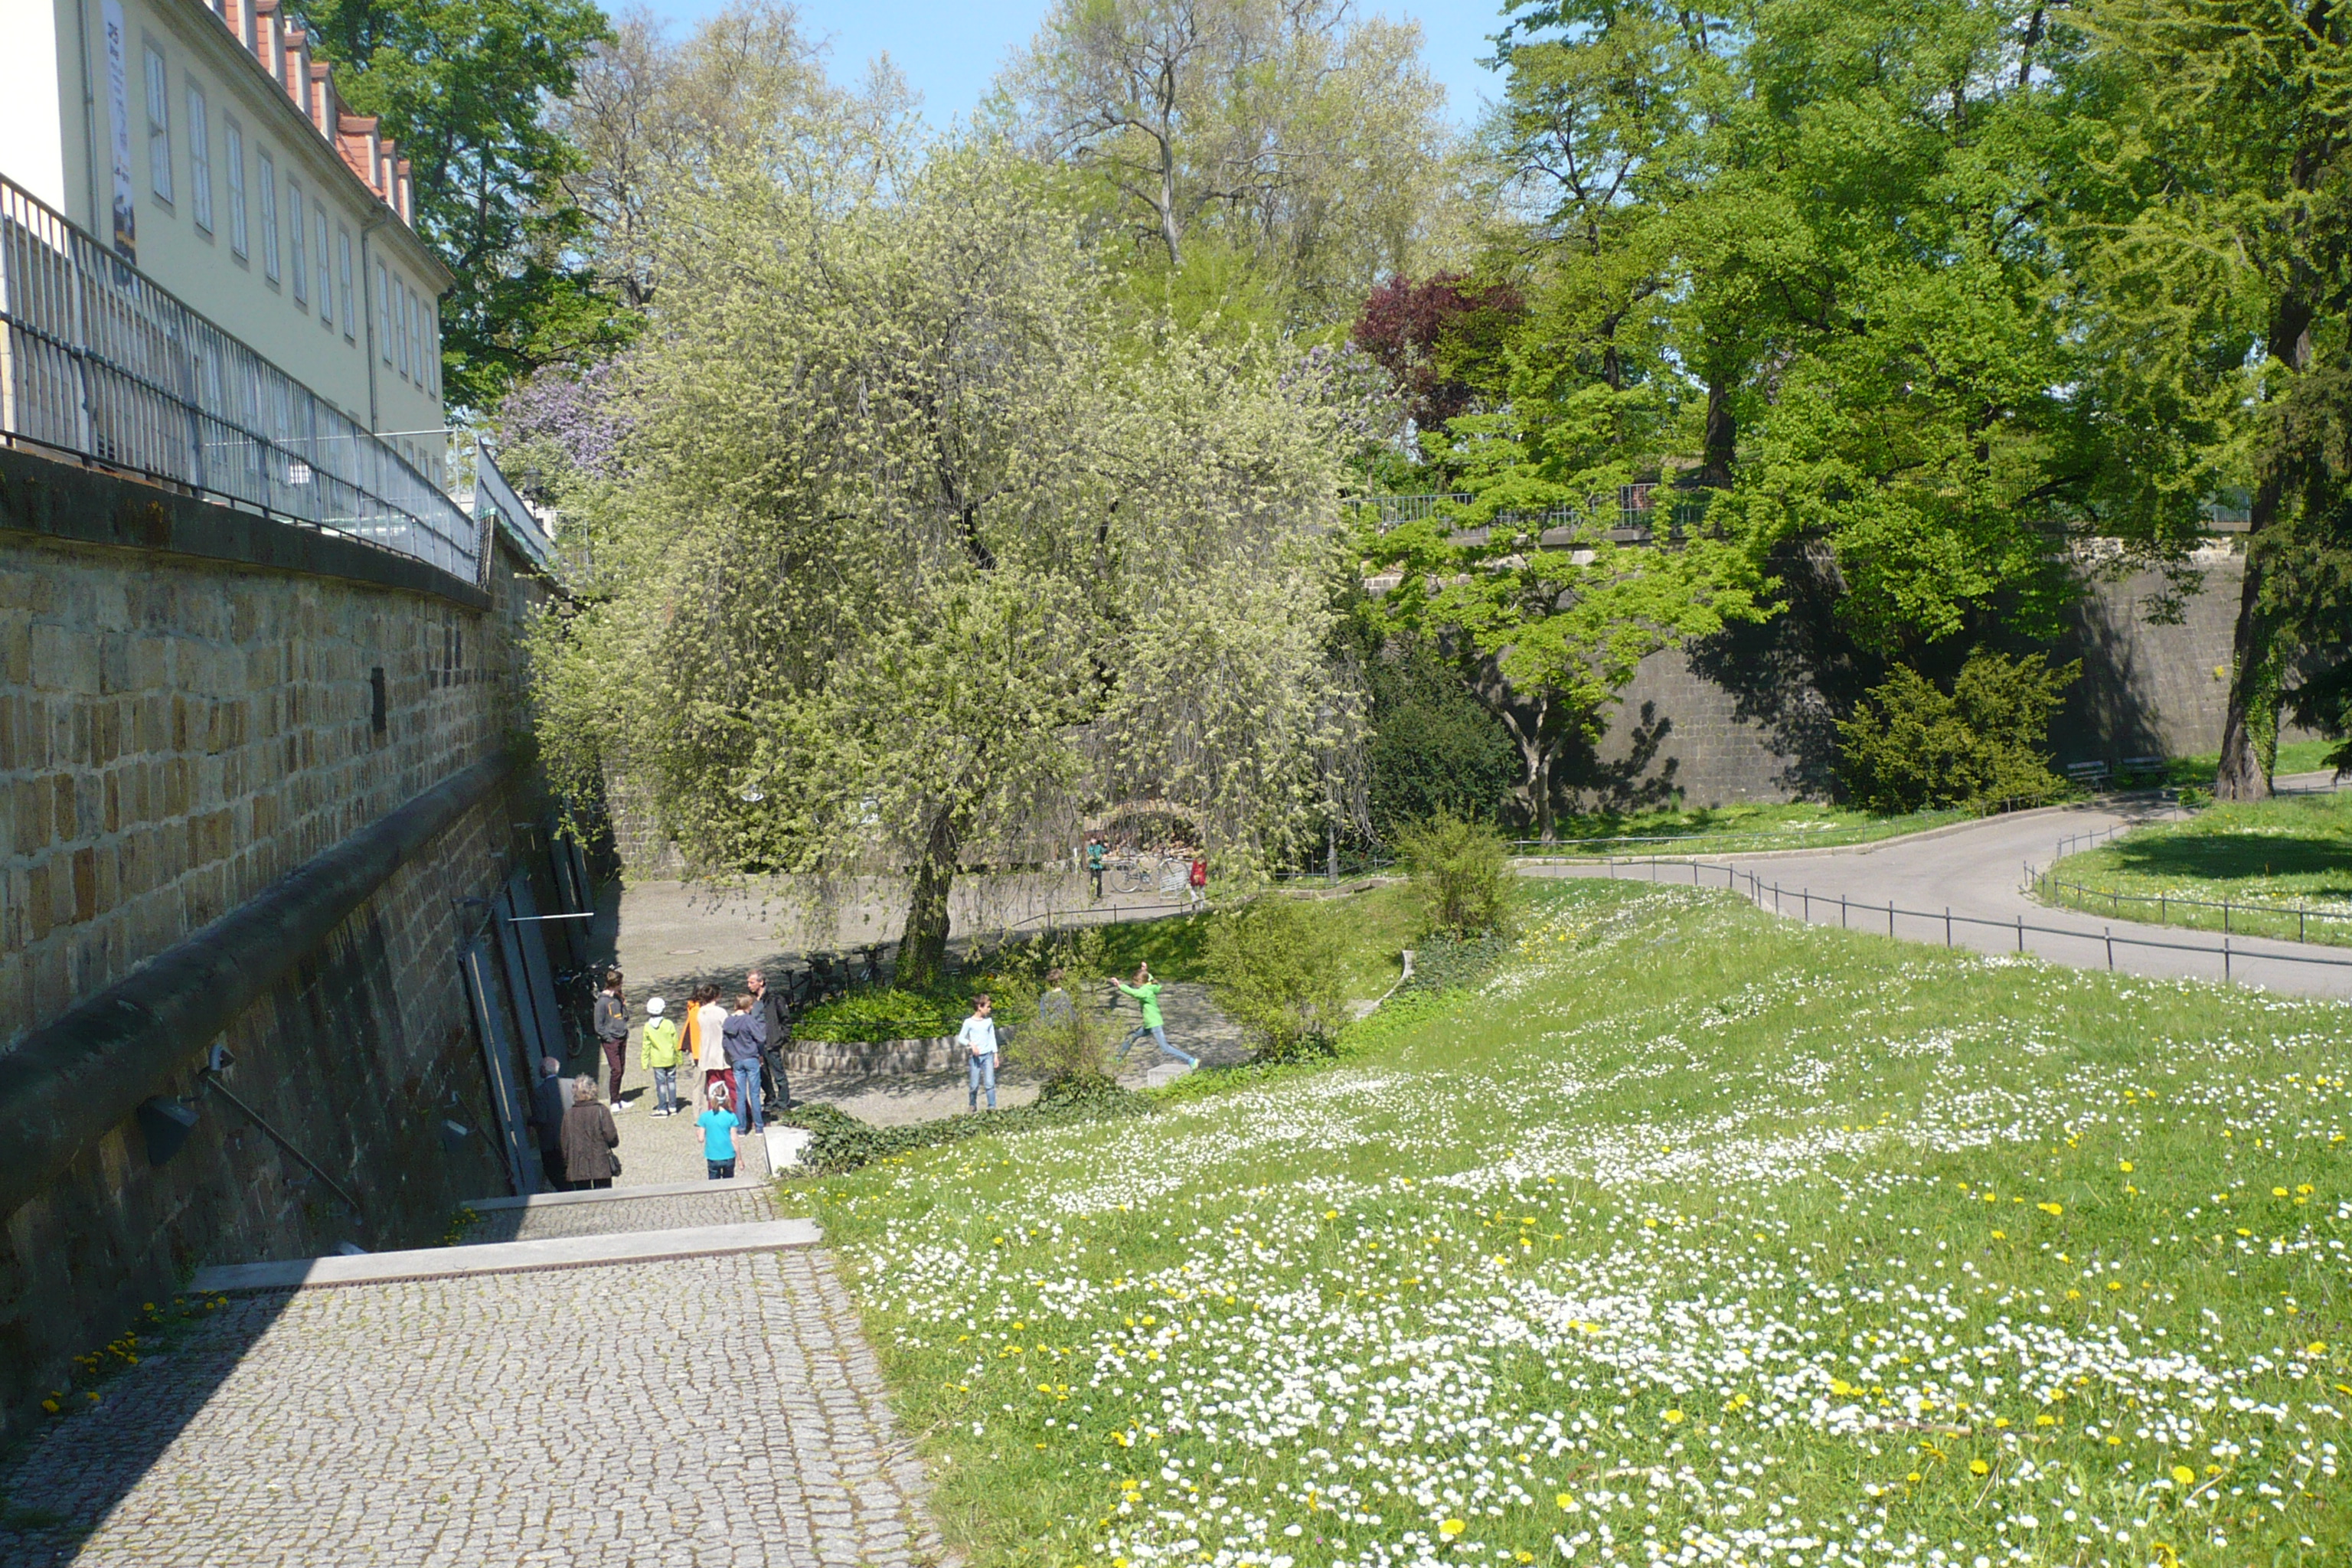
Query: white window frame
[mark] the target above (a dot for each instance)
(382, 313)
(158, 124)
(233, 143)
(326, 269)
(399, 322)
(300, 269)
(200, 158)
(351, 321)
(270, 255)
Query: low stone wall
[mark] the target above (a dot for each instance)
(937, 1054)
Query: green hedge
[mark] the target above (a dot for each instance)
(844, 1143)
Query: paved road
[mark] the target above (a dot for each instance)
(716, 1410)
(1978, 873)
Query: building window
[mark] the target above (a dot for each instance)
(399, 322)
(326, 271)
(432, 349)
(159, 126)
(269, 217)
(233, 143)
(200, 158)
(343, 242)
(301, 257)
(383, 315)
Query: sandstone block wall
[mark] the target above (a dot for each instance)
(174, 736)
(193, 703)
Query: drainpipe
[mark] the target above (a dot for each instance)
(89, 114)
(367, 307)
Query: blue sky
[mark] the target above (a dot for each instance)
(951, 52)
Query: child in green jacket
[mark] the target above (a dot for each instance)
(661, 1058)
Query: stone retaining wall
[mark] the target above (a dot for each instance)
(937, 1054)
(193, 703)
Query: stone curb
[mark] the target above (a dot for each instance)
(618, 1194)
(508, 1257)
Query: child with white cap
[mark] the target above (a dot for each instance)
(661, 1058)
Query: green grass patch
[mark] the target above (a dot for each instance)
(1687, 1235)
(2286, 862)
(1790, 825)
(2294, 757)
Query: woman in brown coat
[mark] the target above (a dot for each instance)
(589, 1136)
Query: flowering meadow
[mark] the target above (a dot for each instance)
(1689, 1236)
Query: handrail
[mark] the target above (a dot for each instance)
(491, 492)
(99, 360)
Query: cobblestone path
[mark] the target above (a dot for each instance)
(671, 1211)
(658, 1150)
(694, 1411)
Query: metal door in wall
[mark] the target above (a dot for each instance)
(510, 1088)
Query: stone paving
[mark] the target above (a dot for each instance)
(671, 1211)
(694, 1411)
(658, 1150)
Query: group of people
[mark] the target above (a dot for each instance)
(1058, 1009)
(1196, 876)
(738, 1050)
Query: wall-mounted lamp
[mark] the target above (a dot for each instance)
(166, 1122)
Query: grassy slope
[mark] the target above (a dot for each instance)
(2294, 757)
(1692, 1226)
(2279, 851)
(1373, 928)
(1795, 825)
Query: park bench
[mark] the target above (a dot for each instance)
(2090, 775)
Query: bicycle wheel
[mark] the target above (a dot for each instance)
(1175, 875)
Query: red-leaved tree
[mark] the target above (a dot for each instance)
(1432, 336)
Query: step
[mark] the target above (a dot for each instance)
(508, 1256)
(618, 1194)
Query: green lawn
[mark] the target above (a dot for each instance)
(1792, 826)
(1691, 1236)
(2280, 853)
(2294, 757)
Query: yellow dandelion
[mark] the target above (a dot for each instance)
(1452, 1528)
(1674, 1417)
(1979, 1468)
(2183, 1476)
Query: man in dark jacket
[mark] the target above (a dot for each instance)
(613, 1031)
(776, 1013)
(549, 1099)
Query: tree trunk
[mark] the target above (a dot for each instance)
(923, 947)
(2241, 775)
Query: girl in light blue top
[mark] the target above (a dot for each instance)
(717, 1123)
(978, 1037)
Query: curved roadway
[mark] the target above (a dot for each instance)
(1977, 873)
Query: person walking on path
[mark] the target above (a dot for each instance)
(978, 1037)
(718, 1126)
(710, 1040)
(1095, 864)
(1056, 1010)
(776, 1013)
(613, 1031)
(1146, 992)
(1196, 885)
(550, 1098)
(589, 1137)
(659, 1057)
(745, 1037)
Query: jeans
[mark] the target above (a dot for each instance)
(664, 1088)
(983, 1076)
(773, 1062)
(747, 1091)
(616, 1052)
(1160, 1038)
(721, 1170)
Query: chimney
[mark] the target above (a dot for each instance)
(319, 103)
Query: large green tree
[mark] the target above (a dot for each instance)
(909, 561)
(464, 87)
(2218, 260)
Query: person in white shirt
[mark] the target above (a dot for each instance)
(978, 1037)
(709, 1044)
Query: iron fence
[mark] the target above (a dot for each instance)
(99, 361)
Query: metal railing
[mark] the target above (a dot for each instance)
(98, 360)
(1799, 902)
(494, 498)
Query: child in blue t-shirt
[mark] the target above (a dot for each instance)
(717, 1123)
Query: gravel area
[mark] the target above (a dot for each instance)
(671, 1211)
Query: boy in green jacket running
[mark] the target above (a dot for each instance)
(1146, 992)
(660, 1057)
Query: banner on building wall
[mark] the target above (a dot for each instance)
(118, 105)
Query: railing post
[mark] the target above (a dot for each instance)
(2225, 960)
(1841, 925)
(2110, 934)
(1947, 925)
(2020, 933)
